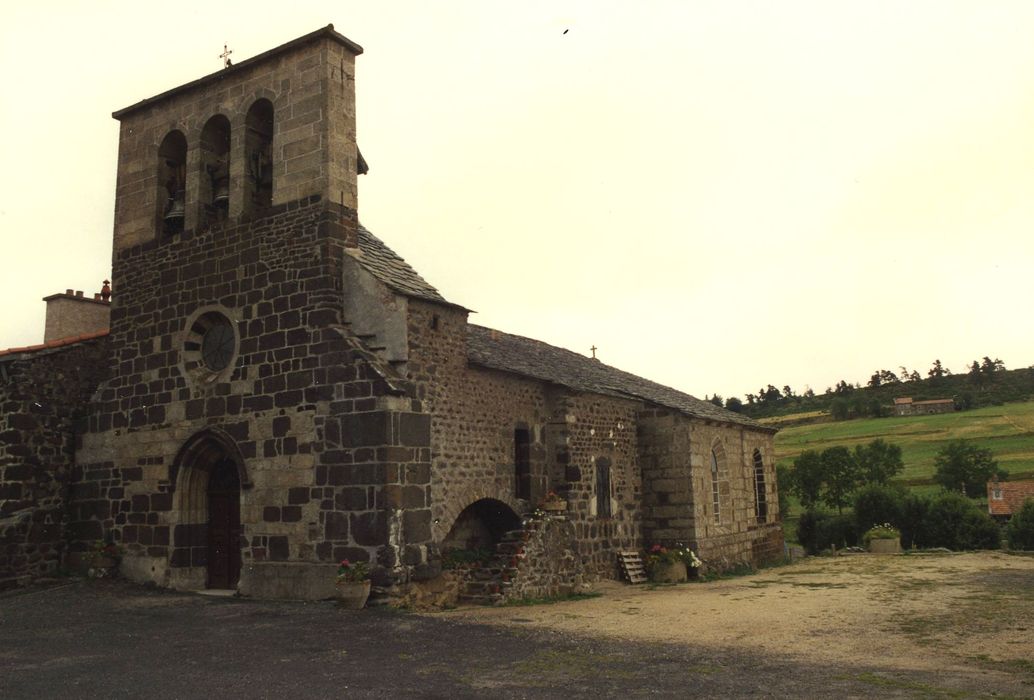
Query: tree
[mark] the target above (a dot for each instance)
(717, 400)
(807, 478)
(937, 371)
(809, 393)
(874, 380)
(962, 466)
(975, 374)
(1021, 527)
(879, 461)
(839, 408)
(841, 476)
(734, 404)
(787, 392)
(843, 387)
(914, 377)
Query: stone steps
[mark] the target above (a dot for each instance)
(488, 584)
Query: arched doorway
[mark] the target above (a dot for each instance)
(480, 526)
(206, 541)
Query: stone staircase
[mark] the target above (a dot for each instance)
(489, 583)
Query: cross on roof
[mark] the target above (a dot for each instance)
(594, 349)
(225, 55)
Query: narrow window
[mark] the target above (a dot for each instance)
(214, 189)
(172, 182)
(715, 500)
(258, 150)
(603, 488)
(760, 503)
(522, 462)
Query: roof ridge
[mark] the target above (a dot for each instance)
(58, 343)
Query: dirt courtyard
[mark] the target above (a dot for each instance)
(969, 614)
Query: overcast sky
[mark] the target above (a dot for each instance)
(718, 195)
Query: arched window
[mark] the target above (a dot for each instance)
(716, 504)
(603, 488)
(760, 502)
(214, 187)
(258, 152)
(172, 182)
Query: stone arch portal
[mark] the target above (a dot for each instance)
(481, 526)
(209, 474)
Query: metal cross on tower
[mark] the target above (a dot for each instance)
(225, 55)
(594, 349)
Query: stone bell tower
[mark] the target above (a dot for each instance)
(272, 129)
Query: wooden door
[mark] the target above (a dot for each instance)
(224, 527)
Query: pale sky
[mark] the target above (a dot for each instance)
(718, 195)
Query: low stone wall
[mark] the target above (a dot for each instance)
(757, 546)
(30, 546)
(288, 580)
(548, 564)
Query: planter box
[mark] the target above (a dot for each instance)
(885, 546)
(353, 595)
(669, 573)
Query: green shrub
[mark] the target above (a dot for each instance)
(878, 504)
(955, 522)
(1021, 527)
(912, 523)
(818, 531)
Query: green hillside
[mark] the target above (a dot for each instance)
(1007, 430)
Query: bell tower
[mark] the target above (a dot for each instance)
(269, 130)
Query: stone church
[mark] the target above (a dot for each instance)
(266, 388)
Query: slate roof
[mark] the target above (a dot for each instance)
(533, 358)
(384, 264)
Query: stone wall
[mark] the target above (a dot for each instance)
(678, 499)
(330, 448)
(43, 398)
(475, 412)
(548, 564)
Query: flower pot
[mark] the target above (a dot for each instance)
(554, 506)
(885, 546)
(353, 595)
(665, 572)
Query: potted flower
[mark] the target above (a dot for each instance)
(353, 584)
(882, 539)
(103, 558)
(553, 503)
(671, 564)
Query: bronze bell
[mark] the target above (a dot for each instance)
(176, 207)
(221, 198)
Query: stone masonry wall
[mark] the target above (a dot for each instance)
(315, 472)
(678, 502)
(475, 411)
(43, 398)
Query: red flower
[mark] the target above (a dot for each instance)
(345, 563)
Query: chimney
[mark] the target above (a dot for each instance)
(72, 314)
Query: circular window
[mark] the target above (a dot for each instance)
(210, 347)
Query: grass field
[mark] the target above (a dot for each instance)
(1008, 431)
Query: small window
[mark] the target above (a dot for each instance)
(522, 462)
(760, 502)
(603, 509)
(996, 494)
(716, 504)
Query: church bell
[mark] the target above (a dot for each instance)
(221, 198)
(176, 207)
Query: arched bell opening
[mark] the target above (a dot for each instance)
(206, 544)
(258, 152)
(479, 528)
(172, 182)
(214, 184)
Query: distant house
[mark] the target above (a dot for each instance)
(905, 406)
(1006, 497)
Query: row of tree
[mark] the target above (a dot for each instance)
(833, 475)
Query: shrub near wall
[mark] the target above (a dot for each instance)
(955, 522)
(1021, 527)
(820, 531)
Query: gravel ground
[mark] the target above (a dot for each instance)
(112, 639)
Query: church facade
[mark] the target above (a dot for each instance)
(277, 390)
